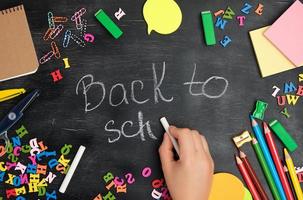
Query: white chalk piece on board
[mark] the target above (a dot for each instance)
(72, 169)
(165, 125)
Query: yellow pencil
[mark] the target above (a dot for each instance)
(293, 175)
(11, 93)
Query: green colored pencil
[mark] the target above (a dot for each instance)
(265, 169)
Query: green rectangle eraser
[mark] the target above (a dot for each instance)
(106, 21)
(208, 27)
(283, 135)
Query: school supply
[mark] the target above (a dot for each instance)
(108, 24)
(247, 195)
(165, 125)
(15, 115)
(226, 186)
(208, 27)
(17, 52)
(260, 110)
(252, 174)
(72, 169)
(265, 52)
(277, 161)
(11, 93)
(283, 135)
(265, 169)
(267, 156)
(285, 33)
(293, 175)
(242, 139)
(247, 179)
(289, 179)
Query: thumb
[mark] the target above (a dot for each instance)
(166, 153)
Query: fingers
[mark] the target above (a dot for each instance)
(197, 141)
(166, 152)
(185, 140)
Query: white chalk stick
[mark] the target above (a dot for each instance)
(72, 169)
(165, 125)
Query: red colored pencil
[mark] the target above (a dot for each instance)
(247, 179)
(253, 176)
(274, 153)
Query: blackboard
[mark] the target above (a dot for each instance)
(58, 116)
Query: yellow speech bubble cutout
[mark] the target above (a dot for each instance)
(162, 16)
(226, 186)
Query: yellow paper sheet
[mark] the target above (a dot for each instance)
(226, 186)
(271, 61)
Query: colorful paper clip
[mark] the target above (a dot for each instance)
(55, 49)
(56, 31)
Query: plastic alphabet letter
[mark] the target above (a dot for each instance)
(229, 13)
(110, 185)
(2, 151)
(63, 161)
(276, 90)
(42, 183)
(21, 131)
(66, 63)
(57, 76)
(26, 149)
(2, 167)
(108, 177)
(31, 169)
(89, 37)
(42, 146)
(292, 99)
(16, 141)
(146, 172)
(285, 113)
(52, 163)
(157, 183)
(241, 20)
(300, 90)
(156, 194)
(46, 154)
(66, 149)
(118, 181)
(2, 176)
(17, 151)
(98, 197)
(130, 179)
(289, 87)
(33, 159)
(17, 181)
(259, 9)
(300, 77)
(20, 198)
(21, 190)
(219, 12)
(281, 100)
(51, 196)
(10, 179)
(20, 167)
(34, 178)
(225, 41)
(32, 187)
(120, 13)
(10, 193)
(121, 188)
(109, 196)
(10, 165)
(220, 23)
(41, 191)
(246, 8)
(300, 177)
(50, 177)
(41, 169)
(24, 179)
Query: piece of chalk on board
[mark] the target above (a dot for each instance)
(72, 169)
(208, 26)
(165, 125)
(106, 21)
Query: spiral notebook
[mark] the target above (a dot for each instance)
(17, 52)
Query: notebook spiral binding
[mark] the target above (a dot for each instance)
(13, 9)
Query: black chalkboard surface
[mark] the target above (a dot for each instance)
(113, 95)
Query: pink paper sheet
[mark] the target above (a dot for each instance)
(287, 33)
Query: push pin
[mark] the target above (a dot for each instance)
(285, 113)
(242, 139)
(66, 63)
(119, 14)
(260, 110)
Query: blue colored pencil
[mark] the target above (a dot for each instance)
(267, 156)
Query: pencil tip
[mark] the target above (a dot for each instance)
(238, 159)
(242, 154)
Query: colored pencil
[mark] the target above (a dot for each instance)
(267, 156)
(277, 161)
(293, 175)
(247, 179)
(253, 176)
(265, 169)
(289, 180)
